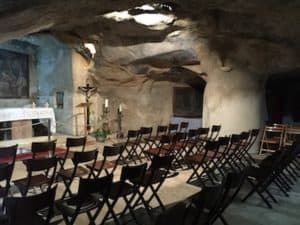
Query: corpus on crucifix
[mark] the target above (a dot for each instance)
(88, 91)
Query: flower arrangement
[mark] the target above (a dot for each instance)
(100, 135)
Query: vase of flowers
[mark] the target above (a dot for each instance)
(100, 135)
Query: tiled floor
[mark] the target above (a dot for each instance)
(176, 189)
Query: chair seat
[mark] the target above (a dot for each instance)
(67, 173)
(156, 151)
(120, 189)
(152, 178)
(37, 180)
(197, 158)
(101, 164)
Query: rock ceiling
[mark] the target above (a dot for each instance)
(271, 22)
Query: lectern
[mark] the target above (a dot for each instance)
(86, 107)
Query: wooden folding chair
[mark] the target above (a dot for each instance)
(41, 174)
(111, 156)
(72, 142)
(153, 179)
(129, 154)
(92, 195)
(143, 142)
(78, 159)
(27, 210)
(125, 189)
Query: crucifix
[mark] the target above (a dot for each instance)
(88, 91)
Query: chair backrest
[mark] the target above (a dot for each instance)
(175, 214)
(35, 165)
(39, 149)
(8, 154)
(145, 130)
(207, 202)
(202, 132)
(173, 128)
(109, 151)
(161, 130)
(90, 186)
(24, 210)
(45, 166)
(132, 138)
(159, 162)
(76, 142)
(183, 126)
(134, 173)
(84, 157)
(214, 132)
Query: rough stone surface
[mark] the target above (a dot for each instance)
(239, 44)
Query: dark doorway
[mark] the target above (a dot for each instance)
(283, 98)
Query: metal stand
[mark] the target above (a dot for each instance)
(105, 124)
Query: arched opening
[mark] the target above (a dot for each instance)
(282, 98)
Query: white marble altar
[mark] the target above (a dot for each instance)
(15, 114)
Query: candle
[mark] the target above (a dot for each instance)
(120, 108)
(106, 103)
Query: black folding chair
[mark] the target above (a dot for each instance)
(127, 189)
(40, 174)
(130, 147)
(204, 205)
(92, 195)
(232, 186)
(33, 210)
(199, 160)
(7, 163)
(144, 142)
(72, 142)
(261, 177)
(153, 179)
(154, 140)
(79, 159)
(111, 156)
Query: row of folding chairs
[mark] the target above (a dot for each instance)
(210, 160)
(93, 194)
(277, 173)
(140, 144)
(206, 206)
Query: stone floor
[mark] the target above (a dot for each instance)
(176, 189)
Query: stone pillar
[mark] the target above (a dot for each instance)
(235, 100)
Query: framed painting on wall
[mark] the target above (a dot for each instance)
(14, 75)
(187, 102)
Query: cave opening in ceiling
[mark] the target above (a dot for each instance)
(150, 15)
